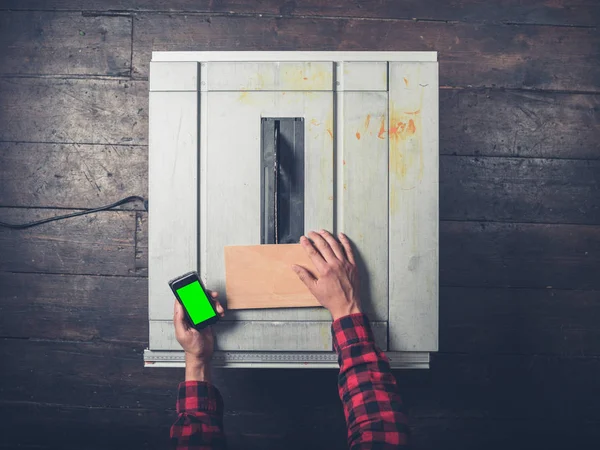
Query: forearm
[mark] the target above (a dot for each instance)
(199, 424)
(196, 369)
(367, 388)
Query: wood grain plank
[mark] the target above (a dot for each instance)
(558, 12)
(501, 387)
(504, 387)
(71, 175)
(483, 254)
(97, 244)
(520, 190)
(528, 124)
(73, 111)
(260, 276)
(482, 55)
(523, 124)
(489, 189)
(519, 321)
(69, 427)
(472, 320)
(74, 307)
(50, 43)
(65, 427)
(413, 206)
(476, 433)
(519, 255)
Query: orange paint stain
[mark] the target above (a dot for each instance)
(381, 133)
(405, 81)
(331, 197)
(305, 78)
(358, 135)
(401, 130)
(330, 133)
(413, 113)
(344, 162)
(367, 121)
(315, 122)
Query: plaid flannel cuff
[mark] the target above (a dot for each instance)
(350, 330)
(199, 396)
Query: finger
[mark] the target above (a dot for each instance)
(322, 246)
(305, 276)
(219, 308)
(214, 294)
(181, 325)
(347, 247)
(313, 254)
(333, 243)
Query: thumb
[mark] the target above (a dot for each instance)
(305, 276)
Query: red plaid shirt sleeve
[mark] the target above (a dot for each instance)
(374, 412)
(199, 424)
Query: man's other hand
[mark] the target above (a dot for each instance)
(336, 286)
(198, 345)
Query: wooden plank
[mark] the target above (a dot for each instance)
(74, 307)
(270, 76)
(473, 320)
(528, 124)
(520, 190)
(413, 206)
(50, 43)
(68, 111)
(362, 209)
(519, 255)
(519, 321)
(558, 12)
(71, 175)
(504, 189)
(470, 55)
(261, 276)
(504, 387)
(97, 244)
(523, 124)
(234, 124)
(94, 374)
(475, 433)
(289, 335)
(173, 187)
(459, 386)
(71, 427)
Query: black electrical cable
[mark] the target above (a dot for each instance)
(23, 226)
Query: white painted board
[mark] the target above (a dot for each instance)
(413, 211)
(363, 193)
(270, 76)
(173, 194)
(263, 336)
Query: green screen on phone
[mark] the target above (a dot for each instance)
(196, 302)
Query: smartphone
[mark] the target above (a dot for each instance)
(195, 300)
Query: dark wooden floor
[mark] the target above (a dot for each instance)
(519, 360)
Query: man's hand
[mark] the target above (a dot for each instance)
(198, 345)
(336, 288)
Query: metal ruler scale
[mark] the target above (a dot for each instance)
(281, 360)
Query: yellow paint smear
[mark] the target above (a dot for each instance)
(406, 152)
